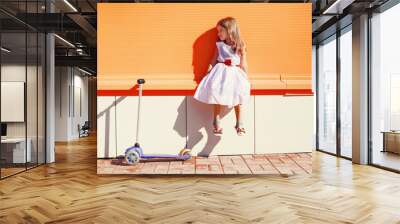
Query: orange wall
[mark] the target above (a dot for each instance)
(175, 41)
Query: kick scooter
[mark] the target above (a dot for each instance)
(135, 153)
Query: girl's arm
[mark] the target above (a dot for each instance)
(213, 60)
(243, 59)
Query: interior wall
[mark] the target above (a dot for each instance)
(71, 102)
(61, 103)
(32, 128)
(82, 83)
(16, 72)
(92, 100)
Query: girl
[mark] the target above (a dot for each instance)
(226, 83)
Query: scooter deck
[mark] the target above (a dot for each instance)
(161, 156)
(149, 156)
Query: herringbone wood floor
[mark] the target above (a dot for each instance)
(70, 191)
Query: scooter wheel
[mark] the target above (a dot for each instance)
(132, 157)
(185, 153)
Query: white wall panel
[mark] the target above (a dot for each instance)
(284, 124)
(200, 130)
(106, 135)
(126, 114)
(163, 124)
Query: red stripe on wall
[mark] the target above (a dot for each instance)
(134, 92)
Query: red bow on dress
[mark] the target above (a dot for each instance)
(228, 62)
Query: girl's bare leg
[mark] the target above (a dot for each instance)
(239, 124)
(216, 120)
(217, 110)
(238, 116)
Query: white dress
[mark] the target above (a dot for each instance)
(226, 85)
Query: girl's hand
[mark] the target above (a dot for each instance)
(209, 68)
(243, 59)
(213, 61)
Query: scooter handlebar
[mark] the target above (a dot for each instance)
(140, 81)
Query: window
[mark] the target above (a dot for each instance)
(22, 88)
(327, 95)
(395, 102)
(346, 74)
(385, 88)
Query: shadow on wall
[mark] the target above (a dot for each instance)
(193, 122)
(106, 113)
(203, 51)
(199, 116)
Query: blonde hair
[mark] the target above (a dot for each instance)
(232, 28)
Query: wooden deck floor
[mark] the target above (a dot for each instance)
(269, 164)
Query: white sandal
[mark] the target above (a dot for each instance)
(217, 129)
(240, 131)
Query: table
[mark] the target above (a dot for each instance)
(391, 141)
(15, 148)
